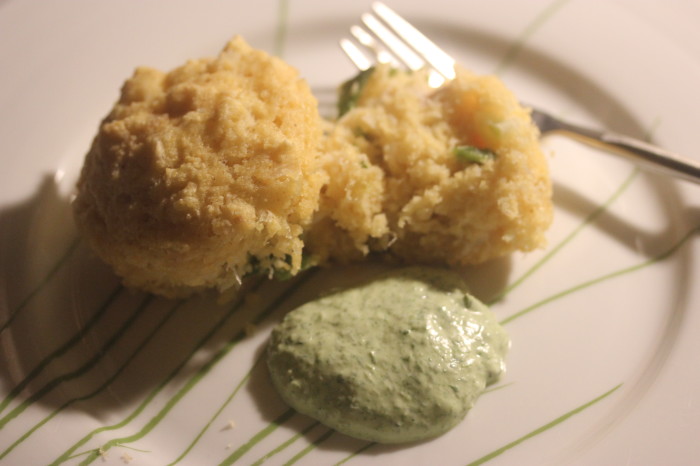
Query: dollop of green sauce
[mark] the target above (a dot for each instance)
(399, 359)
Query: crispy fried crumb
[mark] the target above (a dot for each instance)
(396, 183)
(196, 172)
(229, 425)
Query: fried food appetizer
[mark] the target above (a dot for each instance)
(202, 175)
(448, 176)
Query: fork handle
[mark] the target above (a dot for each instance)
(646, 155)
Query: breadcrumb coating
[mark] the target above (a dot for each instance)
(201, 174)
(222, 168)
(417, 199)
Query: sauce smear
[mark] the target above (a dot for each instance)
(398, 359)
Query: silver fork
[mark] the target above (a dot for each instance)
(389, 38)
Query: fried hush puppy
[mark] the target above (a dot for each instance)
(448, 176)
(199, 175)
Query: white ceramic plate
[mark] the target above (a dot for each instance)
(604, 323)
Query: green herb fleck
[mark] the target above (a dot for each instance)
(351, 90)
(359, 132)
(285, 273)
(473, 154)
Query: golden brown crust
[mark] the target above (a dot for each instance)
(436, 208)
(219, 168)
(195, 170)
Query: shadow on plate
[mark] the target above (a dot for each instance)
(644, 242)
(73, 339)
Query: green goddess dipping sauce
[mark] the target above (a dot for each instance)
(398, 359)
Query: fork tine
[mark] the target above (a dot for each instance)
(430, 53)
(355, 54)
(392, 39)
(366, 39)
(393, 43)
